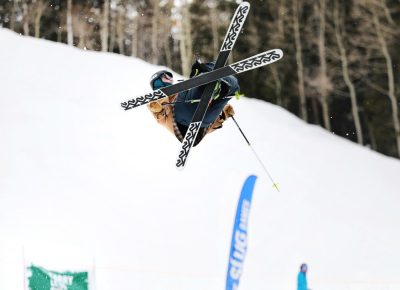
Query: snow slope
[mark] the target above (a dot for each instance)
(85, 184)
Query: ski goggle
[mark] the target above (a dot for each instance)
(168, 76)
(158, 83)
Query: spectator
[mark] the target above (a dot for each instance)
(302, 278)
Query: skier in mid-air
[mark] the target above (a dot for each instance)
(195, 107)
(175, 112)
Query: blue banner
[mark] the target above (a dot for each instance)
(239, 235)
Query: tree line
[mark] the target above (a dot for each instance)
(340, 69)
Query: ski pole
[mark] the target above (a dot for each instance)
(180, 102)
(188, 102)
(274, 184)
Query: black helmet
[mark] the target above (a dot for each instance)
(157, 77)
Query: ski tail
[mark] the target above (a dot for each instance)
(231, 36)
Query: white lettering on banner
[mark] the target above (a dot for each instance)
(244, 215)
(240, 243)
(60, 282)
(238, 254)
(236, 269)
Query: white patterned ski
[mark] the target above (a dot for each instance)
(232, 34)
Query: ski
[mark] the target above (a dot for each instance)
(232, 34)
(254, 62)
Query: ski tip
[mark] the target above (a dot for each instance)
(244, 3)
(180, 167)
(277, 51)
(280, 51)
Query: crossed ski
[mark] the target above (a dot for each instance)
(210, 78)
(194, 127)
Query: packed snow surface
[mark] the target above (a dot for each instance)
(86, 185)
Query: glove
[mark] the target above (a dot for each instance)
(228, 112)
(198, 67)
(155, 107)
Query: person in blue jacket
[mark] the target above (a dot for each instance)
(302, 278)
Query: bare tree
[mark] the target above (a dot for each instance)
(121, 14)
(166, 44)
(80, 31)
(214, 27)
(154, 31)
(25, 18)
(339, 31)
(83, 18)
(70, 33)
(389, 69)
(104, 26)
(299, 60)
(277, 35)
(14, 9)
(166, 27)
(40, 7)
(186, 41)
(323, 82)
(113, 29)
(134, 38)
(142, 35)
